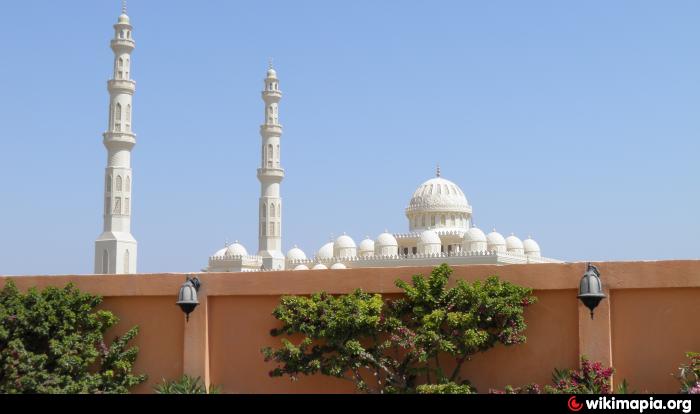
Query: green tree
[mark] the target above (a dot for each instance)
(53, 342)
(398, 345)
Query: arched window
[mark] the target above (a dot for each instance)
(422, 221)
(118, 118)
(128, 114)
(263, 210)
(442, 220)
(453, 220)
(272, 210)
(105, 262)
(127, 68)
(270, 154)
(120, 73)
(126, 262)
(127, 186)
(119, 183)
(432, 221)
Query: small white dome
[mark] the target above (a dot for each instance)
(221, 252)
(271, 73)
(344, 242)
(514, 244)
(474, 235)
(386, 240)
(531, 248)
(386, 245)
(302, 267)
(496, 242)
(367, 246)
(236, 249)
(319, 266)
(430, 237)
(338, 266)
(296, 254)
(326, 251)
(123, 18)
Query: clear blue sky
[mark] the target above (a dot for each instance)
(576, 122)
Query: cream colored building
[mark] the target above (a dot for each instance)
(440, 228)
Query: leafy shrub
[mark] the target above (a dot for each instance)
(689, 375)
(591, 378)
(53, 342)
(185, 385)
(393, 346)
(449, 388)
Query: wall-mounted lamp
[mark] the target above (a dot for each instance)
(590, 290)
(187, 298)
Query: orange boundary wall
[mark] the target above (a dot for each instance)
(644, 327)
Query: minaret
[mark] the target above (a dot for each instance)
(271, 175)
(115, 249)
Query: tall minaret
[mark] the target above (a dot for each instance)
(115, 249)
(271, 175)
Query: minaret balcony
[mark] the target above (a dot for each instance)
(271, 129)
(272, 95)
(271, 173)
(120, 45)
(121, 86)
(122, 140)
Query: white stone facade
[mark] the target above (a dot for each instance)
(439, 222)
(116, 248)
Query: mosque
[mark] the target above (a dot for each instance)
(440, 228)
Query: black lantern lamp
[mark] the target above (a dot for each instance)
(590, 291)
(187, 299)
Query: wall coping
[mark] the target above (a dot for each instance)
(615, 275)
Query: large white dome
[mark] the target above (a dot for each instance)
(439, 195)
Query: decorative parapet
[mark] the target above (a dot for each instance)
(453, 257)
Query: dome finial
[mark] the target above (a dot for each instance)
(269, 63)
(124, 6)
(438, 170)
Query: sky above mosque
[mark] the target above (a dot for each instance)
(575, 123)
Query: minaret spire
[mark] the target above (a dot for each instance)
(271, 175)
(115, 249)
(438, 171)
